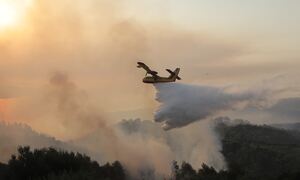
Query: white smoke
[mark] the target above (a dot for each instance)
(182, 104)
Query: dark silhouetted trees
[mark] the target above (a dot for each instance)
(186, 172)
(49, 163)
(261, 152)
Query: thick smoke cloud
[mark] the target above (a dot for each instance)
(71, 106)
(195, 144)
(182, 104)
(96, 42)
(61, 109)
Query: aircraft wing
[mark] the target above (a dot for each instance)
(147, 69)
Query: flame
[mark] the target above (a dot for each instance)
(6, 109)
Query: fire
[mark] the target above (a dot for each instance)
(6, 109)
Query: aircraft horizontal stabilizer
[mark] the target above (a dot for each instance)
(173, 74)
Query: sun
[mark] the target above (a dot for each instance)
(8, 14)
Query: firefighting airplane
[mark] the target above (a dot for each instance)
(154, 78)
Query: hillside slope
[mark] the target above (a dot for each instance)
(260, 152)
(14, 135)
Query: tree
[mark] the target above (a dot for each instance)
(50, 163)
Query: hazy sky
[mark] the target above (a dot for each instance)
(269, 27)
(263, 35)
(94, 45)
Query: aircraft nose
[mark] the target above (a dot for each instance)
(145, 80)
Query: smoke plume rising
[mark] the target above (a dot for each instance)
(182, 104)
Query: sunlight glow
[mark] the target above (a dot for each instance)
(13, 12)
(8, 14)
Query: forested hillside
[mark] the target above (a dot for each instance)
(49, 163)
(250, 151)
(261, 152)
(14, 135)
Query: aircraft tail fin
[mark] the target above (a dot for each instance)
(174, 74)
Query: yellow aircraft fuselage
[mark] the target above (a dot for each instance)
(158, 79)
